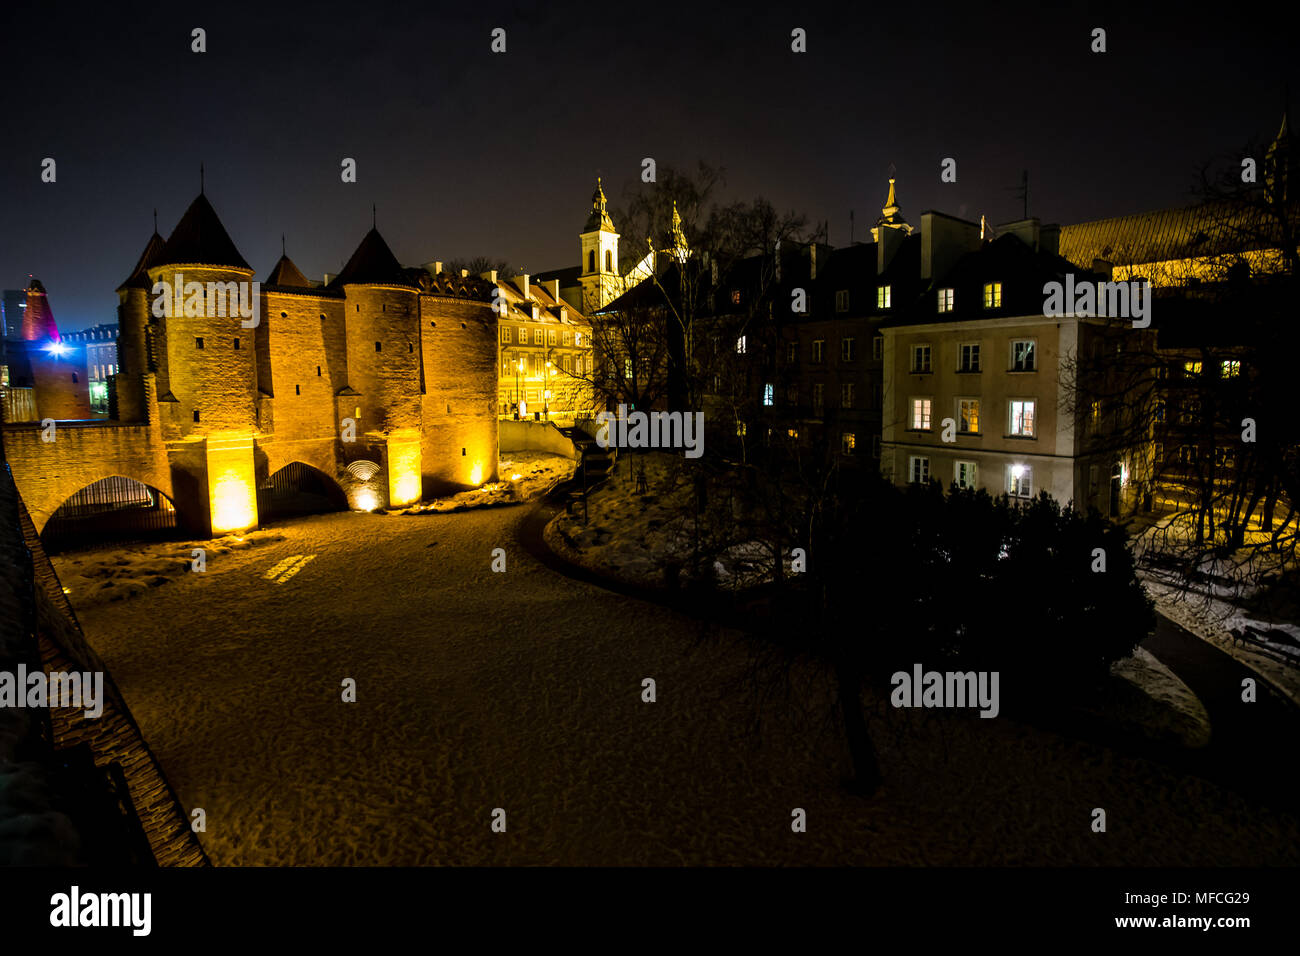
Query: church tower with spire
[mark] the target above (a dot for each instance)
(598, 273)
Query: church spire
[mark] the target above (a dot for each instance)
(679, 247)
(599, 217)
(889, 214)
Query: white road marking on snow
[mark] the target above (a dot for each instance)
(288, 567)
(290, 572)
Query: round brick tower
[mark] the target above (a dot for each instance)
(210, 356)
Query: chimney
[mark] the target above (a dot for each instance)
(490, 275)
(437, 267)
(944, 240)
(891, 240)
(521, 281)
(464, 273)
(329, 277)
(554, 289)
(1049, 239)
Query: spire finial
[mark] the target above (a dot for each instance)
(155, 219)
(201, 178)
(374, 216)
(282, 252)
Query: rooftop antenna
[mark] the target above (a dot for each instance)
(282, 252)
(201, 179)
(1023, 191)
(155, 219)
(374, 216)
(850, 227)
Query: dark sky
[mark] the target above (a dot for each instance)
(467, 153)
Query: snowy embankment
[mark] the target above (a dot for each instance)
(1216, 607)
(524, 476)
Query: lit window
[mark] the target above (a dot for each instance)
(1020, 481)
(882, 297)
(627, 368)
(920, 358)
(568, 337)
(537, 335)
(735, 297)
(1094, 414)
(848, 349)
(769, 393)
(842, 300)
(740, 345)
(964, 474)
(1022, 355)
(848, 443)
(968, 416)
(819, 351)
(993, 295)
(970, 358)
(1022, 418)
(505, 334)
(1231, 368)
(846, 395)
(577, 338)
(945, 300)
(921, 412)
(919, 469)
(550, 337)
(1192, 368)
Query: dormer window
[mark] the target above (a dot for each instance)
(993, 295)
(883, 297)
(842, 300)
(945, 300)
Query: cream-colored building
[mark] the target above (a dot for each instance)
(976, 376)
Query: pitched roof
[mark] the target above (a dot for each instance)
(1208, 229)
(287, 275)
(200, 238)
(139, 277)
(372, 264)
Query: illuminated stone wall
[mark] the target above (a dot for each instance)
(459, 340)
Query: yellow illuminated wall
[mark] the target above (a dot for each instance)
(404, 461)
(232, 484)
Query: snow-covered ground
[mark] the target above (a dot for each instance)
(1167, 709)
(1215, 607)
(524, 476)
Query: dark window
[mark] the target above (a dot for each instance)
(379, 346)
(196, 414)
(591, 261)
(236, 344)
(410, 346)
(198, 342)
(318, 371)
(297, 389)
(609, 261)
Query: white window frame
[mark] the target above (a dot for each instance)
(912, 416)
(929, 359)
(945, 300)
(973, 476)
(1032, 352)
(992, 295)
(1033, 417)
(912, 476)
(848, 349)
(1025, 483)
(975, 353)
(842, 300)
(979, 413)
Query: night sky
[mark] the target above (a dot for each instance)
(466, 152)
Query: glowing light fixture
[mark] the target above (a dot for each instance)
(233, 507)
(366, 501)
(516, 476)
(476, 474)
(57, 349)
(1017, 471)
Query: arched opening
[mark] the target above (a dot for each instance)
(109, 511)
(298, 489)
(609, 260)
(591, 261)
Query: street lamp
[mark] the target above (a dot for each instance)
(519, 368)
